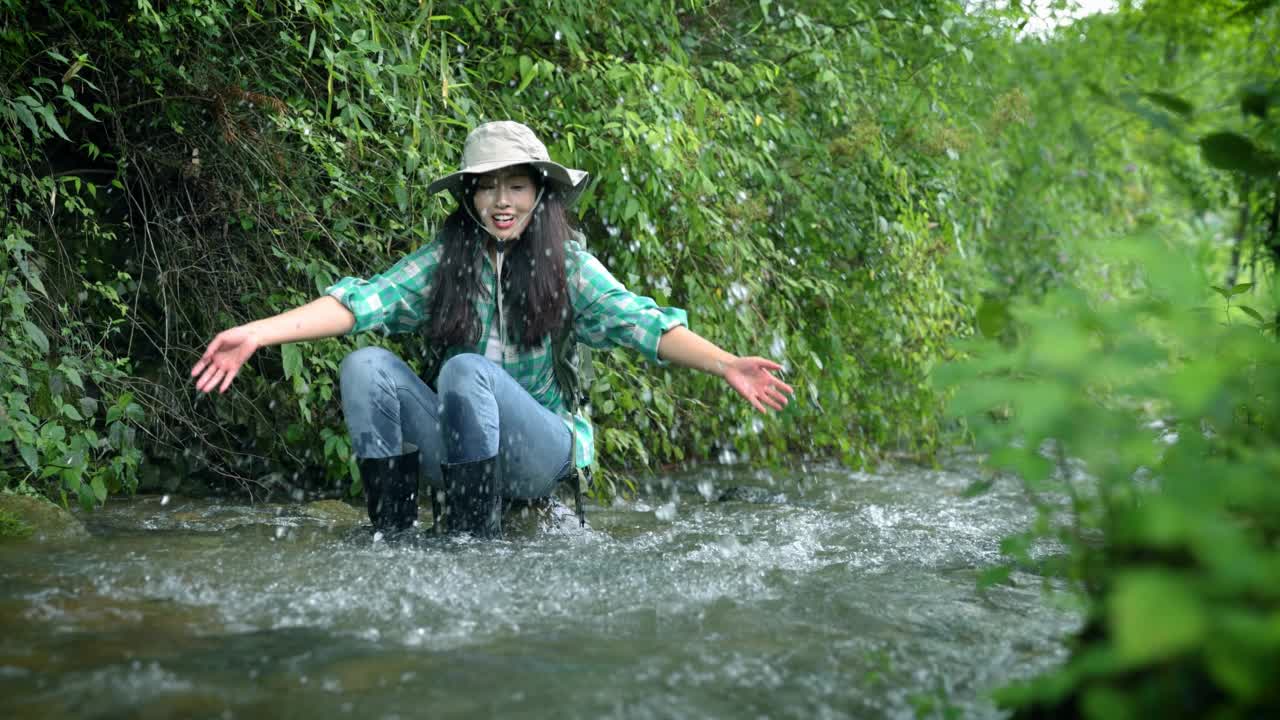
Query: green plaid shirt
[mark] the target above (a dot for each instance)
(605, 315)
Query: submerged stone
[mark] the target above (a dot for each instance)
(26, 518)
(754, 495)
(335, 511)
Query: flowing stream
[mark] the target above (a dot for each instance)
(719, 593)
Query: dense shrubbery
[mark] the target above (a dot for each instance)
(1136, 401)
(1145, 430)
(789, 174)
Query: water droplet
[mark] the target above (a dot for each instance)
(164, 501)
(707, 489)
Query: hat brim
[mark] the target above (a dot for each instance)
(571, 182)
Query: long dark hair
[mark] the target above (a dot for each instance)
(535, 289)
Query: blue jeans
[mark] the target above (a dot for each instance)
(480, 412)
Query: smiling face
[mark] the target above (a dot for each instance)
(504, 201)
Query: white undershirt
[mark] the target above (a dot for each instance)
(493, 346)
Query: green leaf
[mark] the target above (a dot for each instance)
(72, 374)
(1226, 294)
(53, 432)
(37, 336)
(133, 411)
(1154, 615)
(994, 576)
(993, 317)
(82, 489)
(292, 358)
(51, 120)
(26, 117)
(32, 276)
(1240, 288)
(527, 73)
(81, 109)
(99, 490)
(1250, 312)
(1171, 102)
(29, 456)
(1253, 8)
(72, 413)
(1030, 465)
(1232, 151)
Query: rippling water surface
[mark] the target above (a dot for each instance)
(820, 593)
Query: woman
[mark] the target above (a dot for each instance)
(497, 423)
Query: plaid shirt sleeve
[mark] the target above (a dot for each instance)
(393, 301)
(608, 315)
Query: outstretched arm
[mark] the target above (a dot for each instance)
(325, 317)
(750, 377)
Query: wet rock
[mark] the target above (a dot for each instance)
(754, 495)
(334, 511)
(37, 519)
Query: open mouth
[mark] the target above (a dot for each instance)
(503, 221)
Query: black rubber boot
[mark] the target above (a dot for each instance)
(473, 500)
(391, 489)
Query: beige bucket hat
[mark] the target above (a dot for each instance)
(503, 143)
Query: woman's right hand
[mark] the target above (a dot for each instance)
(222, 360)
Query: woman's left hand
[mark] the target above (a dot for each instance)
(753, 379)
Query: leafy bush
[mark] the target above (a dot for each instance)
(1145, 430)
(182, 167)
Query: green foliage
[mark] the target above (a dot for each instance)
(67, 420)
(1144, 428)
(1131, 394)
(785, 173)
